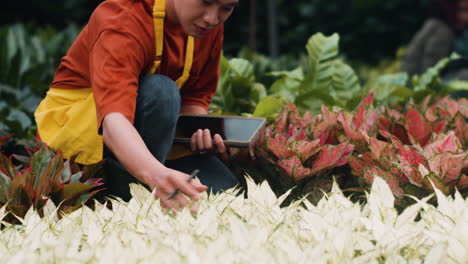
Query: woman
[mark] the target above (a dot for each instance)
(134, 67)
(440, 35)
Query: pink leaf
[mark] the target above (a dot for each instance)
(461, 128)
(409, 161)
(448, 166)
(278, 145)
(462, 182)
(332, 156)
(442, 143)
(463, 103)
(305, 149)
(419, 129)
(293, 168)
(358, 164)
(392, 180)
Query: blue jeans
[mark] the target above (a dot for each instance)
(157, 109)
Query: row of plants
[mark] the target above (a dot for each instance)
(238, 230)
(414, 148)
(321, 78)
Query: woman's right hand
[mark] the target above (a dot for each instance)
(167, 180)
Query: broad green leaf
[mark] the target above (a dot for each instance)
(20, 117)
(72, 190)
(345, 84)
(268, 107)
(287, 86)
(390, 87)
(321, 50)
(257, 92)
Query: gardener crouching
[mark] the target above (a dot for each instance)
(118, 92)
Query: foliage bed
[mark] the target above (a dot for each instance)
(238, 230)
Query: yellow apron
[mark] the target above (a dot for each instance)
(66, 118)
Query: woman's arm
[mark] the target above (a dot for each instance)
(127, 145)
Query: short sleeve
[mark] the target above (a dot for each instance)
(116, 61)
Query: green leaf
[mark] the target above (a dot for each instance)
(76, 177)
(72, 190)
(67, 173)
(39, 162)
(7, 166)
(4, 187)
(257, 92)
(287, 87)
(431, 77)
(390, 87)
(53, 171)
(242, 70)
(345, 85)
(268, 107)
(322, 50)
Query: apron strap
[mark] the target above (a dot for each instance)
(159, 12)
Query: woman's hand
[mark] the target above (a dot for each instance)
(202, 142)
(168, 180)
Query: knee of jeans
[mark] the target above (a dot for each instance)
(159, 93)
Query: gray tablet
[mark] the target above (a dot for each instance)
(236, 131)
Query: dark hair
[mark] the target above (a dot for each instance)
(445, 10)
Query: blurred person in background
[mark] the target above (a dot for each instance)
(444, 32)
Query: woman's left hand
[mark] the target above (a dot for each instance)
(202, 142)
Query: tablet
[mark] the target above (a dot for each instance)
(236, 131)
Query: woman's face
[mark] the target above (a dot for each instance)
(462, 13)
(198, 17)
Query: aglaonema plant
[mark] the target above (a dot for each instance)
(44, 175)
(301, 151)
(417, 148)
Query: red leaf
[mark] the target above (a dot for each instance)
(4, 140)
(278, 145)
(358, 164)
(409, 161)
(332, 156)
(392, 180)
(448, 166)
(330, 118)
(350, 130)
(442, 143)
(293, 168)
(419, 129)
(439, 126)
(305, 149)
(461, 129)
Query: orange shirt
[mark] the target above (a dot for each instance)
(117, 46)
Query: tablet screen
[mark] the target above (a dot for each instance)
(229, 128)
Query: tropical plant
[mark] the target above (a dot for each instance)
(43, 175)
(327, 80)
(28, 58)
(238, 92)
(407, 148)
